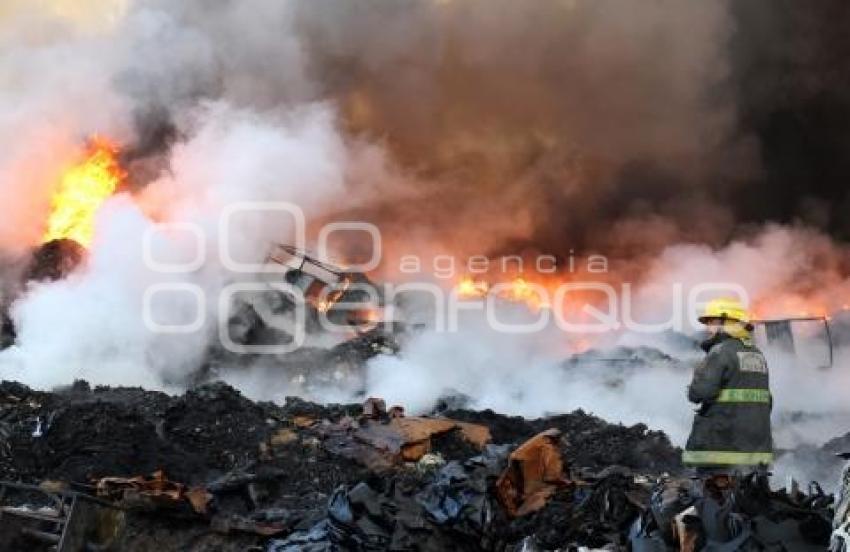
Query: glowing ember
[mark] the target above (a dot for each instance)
(531, 294)
(82, 190)
(469, 288)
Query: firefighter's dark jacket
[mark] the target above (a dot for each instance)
(732, 426)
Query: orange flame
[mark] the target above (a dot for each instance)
(533, 295)
(782, 306)
(82, 190)
(517, 290)
(470, 289)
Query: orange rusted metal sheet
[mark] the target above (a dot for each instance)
(155, 487)
(535, 471)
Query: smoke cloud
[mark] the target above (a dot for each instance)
(686, 142)
(530, 375)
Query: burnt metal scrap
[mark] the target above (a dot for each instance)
(52, 517)
(780, 335)
(153, 492)
(321, 290)
(534, 473)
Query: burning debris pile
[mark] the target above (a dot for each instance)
(212, 470)
(668, 145)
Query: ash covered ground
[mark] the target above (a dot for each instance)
(265, 459)
(302, 476)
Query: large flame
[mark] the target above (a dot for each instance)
(82, 190)
(519, 290)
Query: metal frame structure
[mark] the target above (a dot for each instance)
(63, 526)
(823, 319)
(298, 259)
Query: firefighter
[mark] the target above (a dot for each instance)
(731, 429)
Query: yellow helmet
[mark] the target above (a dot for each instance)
(725, 308)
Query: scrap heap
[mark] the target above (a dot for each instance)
(128, 469)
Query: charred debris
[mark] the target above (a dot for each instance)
(127, 469)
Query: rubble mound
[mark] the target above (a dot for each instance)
(588, 440)
(216, 422)
(213, 470)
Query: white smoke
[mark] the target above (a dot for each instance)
(92, 324)
(255, 121)
(72, 71)
(526, 374)
(56, 91)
